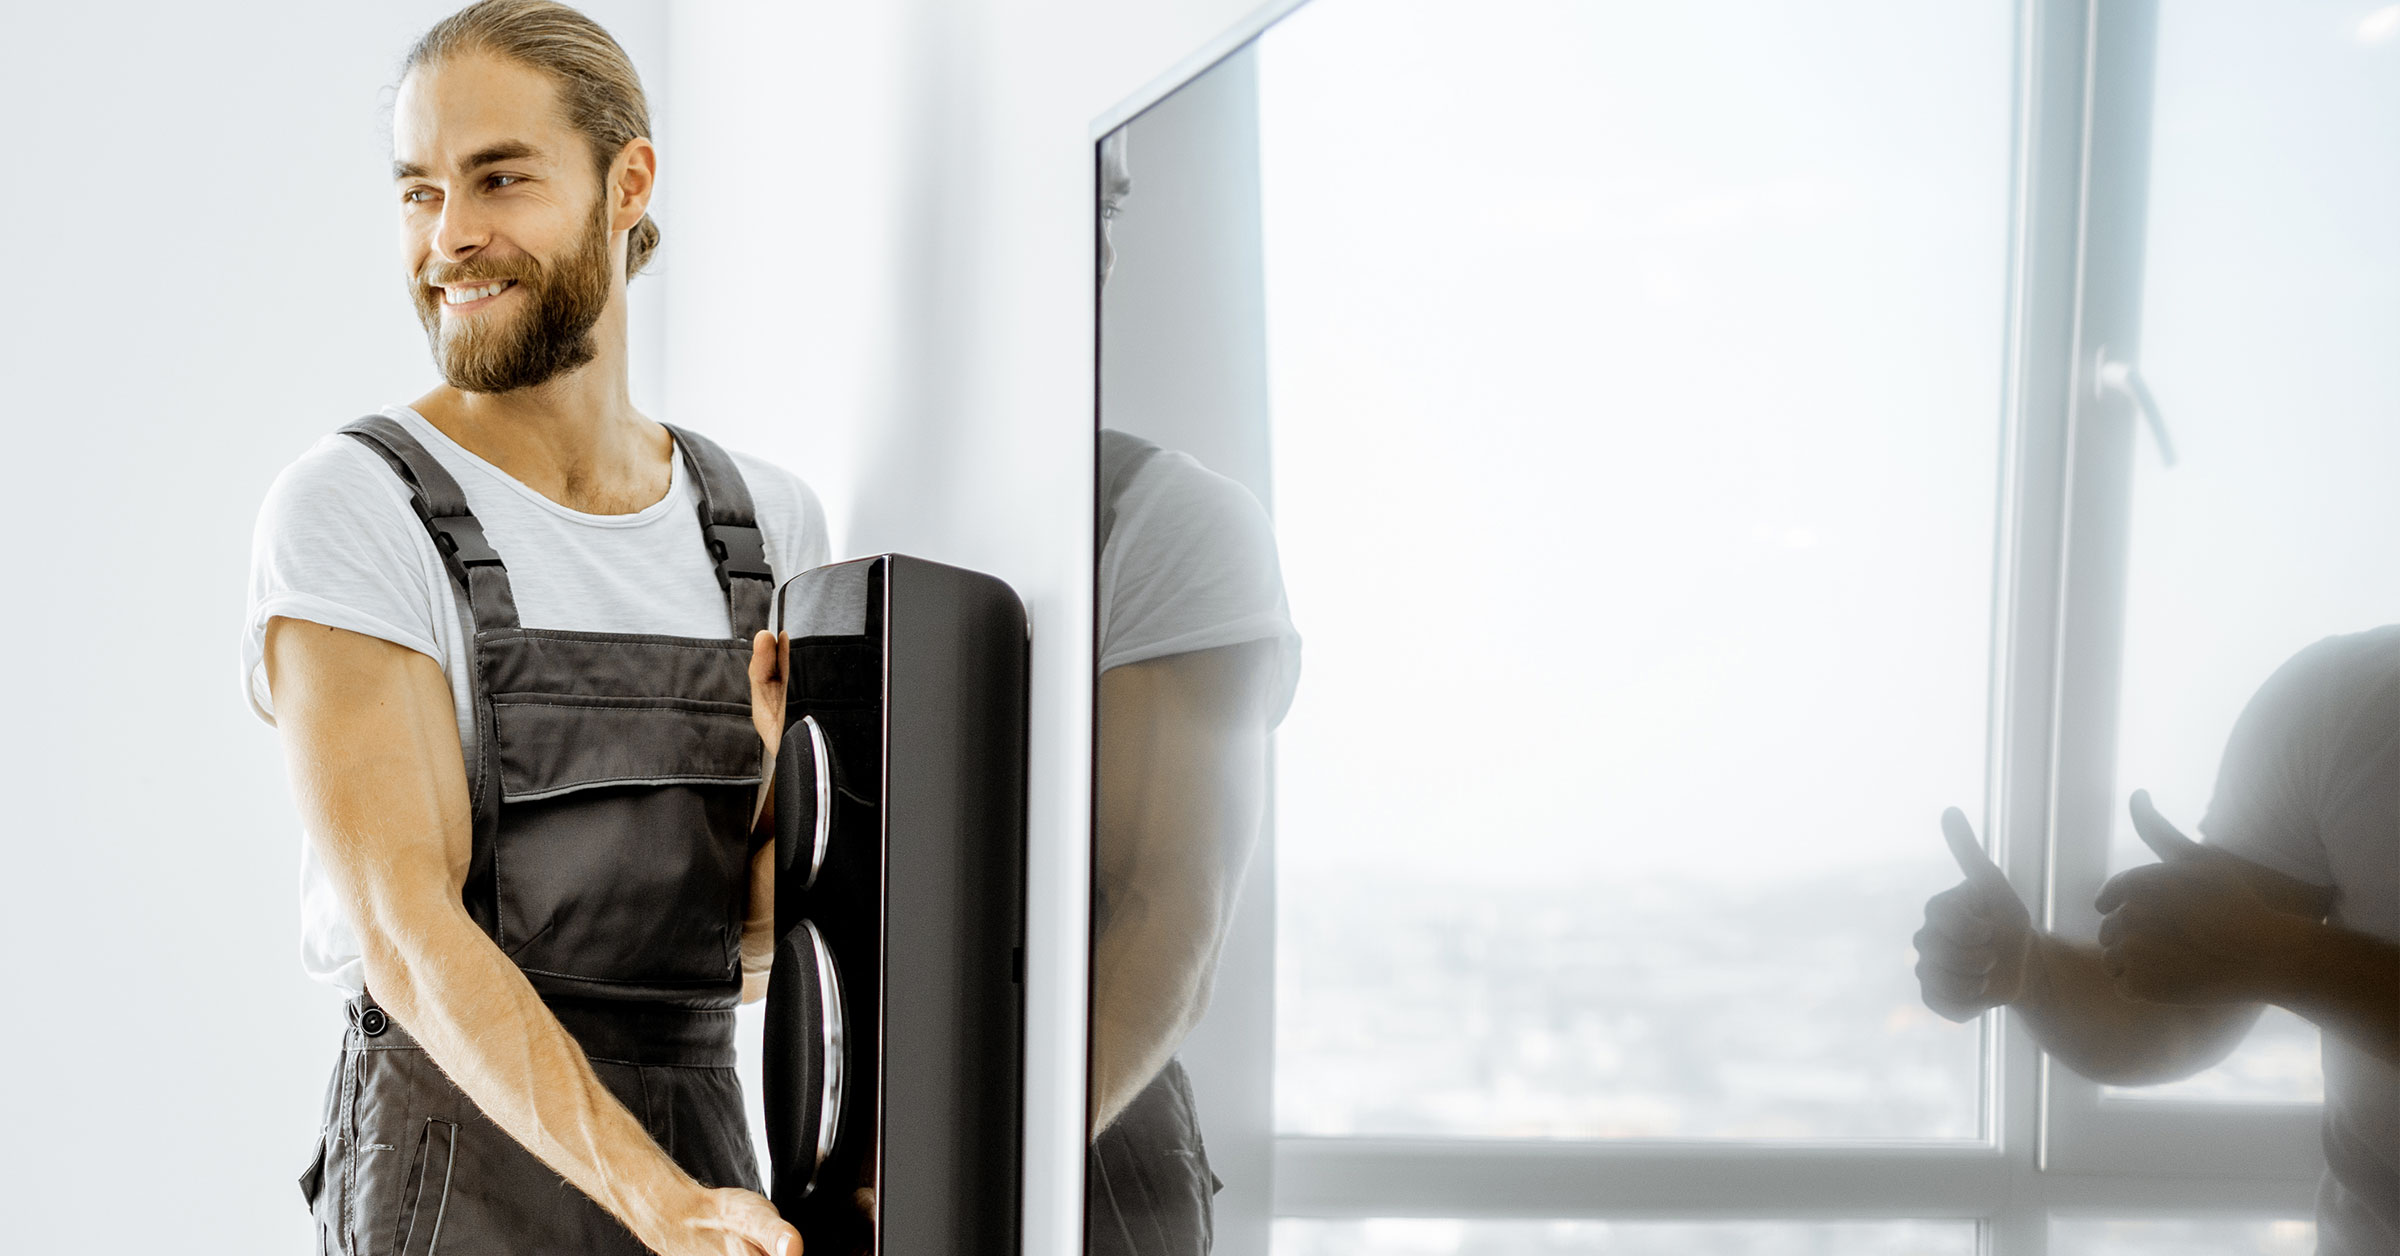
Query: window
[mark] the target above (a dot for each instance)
(1599, 829)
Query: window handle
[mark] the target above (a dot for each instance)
(2113, 375)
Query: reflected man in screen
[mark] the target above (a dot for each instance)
(1198, 661)
(2293, 900)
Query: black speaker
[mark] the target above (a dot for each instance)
(894, 1060)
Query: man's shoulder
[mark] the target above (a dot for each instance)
(337, 476)
(2338, 678)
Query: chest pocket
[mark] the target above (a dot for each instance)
(627, 769)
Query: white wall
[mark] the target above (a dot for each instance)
(876, 267)
(897, 200)
(204, 279)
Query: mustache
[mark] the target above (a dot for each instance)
(463, 273)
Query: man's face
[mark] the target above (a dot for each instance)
(1116, 183)
(504, 227)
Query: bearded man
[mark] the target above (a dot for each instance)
(511, 635)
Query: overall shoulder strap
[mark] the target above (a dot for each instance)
(1121, 455)
(442, 508)
(729, 523)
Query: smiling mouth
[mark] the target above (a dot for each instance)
(462, 298)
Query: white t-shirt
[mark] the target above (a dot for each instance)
(2310, 787)
(337, 544)
(1190, 564)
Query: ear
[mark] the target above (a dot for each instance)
(632, 177)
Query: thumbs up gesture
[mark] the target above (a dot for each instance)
(2190, 929)
(1976, 950)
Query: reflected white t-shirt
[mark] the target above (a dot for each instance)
(1190, 564)
(2310, 787)
(337, 544)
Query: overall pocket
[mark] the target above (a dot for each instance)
(417, 1230)
(627, 769)
(625, 885)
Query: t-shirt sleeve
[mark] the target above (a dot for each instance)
(336, 543)
(2265, 808)
(1191, 564)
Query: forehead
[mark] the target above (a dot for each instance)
(448, 110)
(1115, 178)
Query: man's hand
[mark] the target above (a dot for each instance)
(770, 665)
(1977, 949)
(724, 1222)
(2193, 928)
(770, 672)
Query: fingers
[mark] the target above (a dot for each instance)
(1955, 998)
(2170, 843)
(754, 1221)
(1954, 932)
(1979, 869)
(769, 652)
(2121, 888)
(2123, 923)
(762, 658)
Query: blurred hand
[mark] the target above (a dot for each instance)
(1976, 950)
(2191, 929)
(770, 664)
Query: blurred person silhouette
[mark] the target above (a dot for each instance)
(2293, 899)
(1198, 661)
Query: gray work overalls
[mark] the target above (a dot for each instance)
(613, 783)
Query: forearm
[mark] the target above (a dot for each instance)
(474, 1013)
(2075, 1011)
(2345, 983)
(1151, 972)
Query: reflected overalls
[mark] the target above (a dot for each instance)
(613, 787)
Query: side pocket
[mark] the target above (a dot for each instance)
(418, 1230)
(312, 1178)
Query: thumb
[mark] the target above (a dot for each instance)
(2170, 843)
(1981, 872)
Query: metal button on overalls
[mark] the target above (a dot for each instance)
(613, 783)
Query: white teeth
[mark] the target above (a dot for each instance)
(460, 296)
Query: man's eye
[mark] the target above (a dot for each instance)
(417, 196)
(502, 180)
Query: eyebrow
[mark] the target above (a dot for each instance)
(489, 155)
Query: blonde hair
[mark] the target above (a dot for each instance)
(597, 85)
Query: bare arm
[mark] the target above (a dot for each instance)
(372, 746)
(1182, 780)
(2078, 1014)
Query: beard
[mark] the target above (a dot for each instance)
(564, 297)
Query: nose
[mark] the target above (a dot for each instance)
(461, 230)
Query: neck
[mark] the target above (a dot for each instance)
(576, 438)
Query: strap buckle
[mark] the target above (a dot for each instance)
(460, 539)
(740, 553)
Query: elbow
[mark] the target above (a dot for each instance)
(390, 974)
(397, 956)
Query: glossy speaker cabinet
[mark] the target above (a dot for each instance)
(894, 1039)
